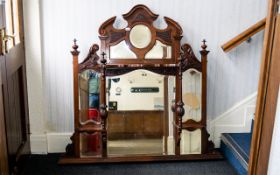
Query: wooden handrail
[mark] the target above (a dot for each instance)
(244, 35)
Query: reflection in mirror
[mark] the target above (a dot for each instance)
(140, 36)
(171, 101)
(150, 98)
(191, 92)
(190, 142)
(90, 144)
(89, 97)
(137, 117)
(121, 51)
(159, 51)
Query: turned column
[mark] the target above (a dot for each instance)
(103, 106)
(179, 106)
(76, 136)
(204, 134)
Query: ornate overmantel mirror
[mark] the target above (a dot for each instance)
(143, 98)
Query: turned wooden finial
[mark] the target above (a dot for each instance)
(103, 60)
(204, 46)
(75, 48)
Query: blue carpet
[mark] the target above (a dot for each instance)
(236, 149)
(242, 142)
(232, 159)
(47, 165)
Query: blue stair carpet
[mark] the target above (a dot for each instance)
(236, 149)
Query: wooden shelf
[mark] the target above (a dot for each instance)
(214, 155)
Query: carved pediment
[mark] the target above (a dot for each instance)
(189, 58)
(91, 61)
(140, 15)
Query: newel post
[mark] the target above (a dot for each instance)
(205, 135)
(103, 106)
(76, 136)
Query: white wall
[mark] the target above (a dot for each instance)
(237, 119)
(34, 73)
(231, 77)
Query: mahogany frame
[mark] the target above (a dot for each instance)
(182, 59)
(267, 94)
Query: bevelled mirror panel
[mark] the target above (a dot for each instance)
(89, 97)
(140, 36)
(159, 51)
(138, 113)
(190, 142)
(90, 144)
(121, 51)
(191, 93)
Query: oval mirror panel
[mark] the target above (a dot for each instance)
(140, 36)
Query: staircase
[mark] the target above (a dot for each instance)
(236, 149)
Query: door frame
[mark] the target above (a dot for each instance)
(13, 79)
(4, 168)
(263, 126)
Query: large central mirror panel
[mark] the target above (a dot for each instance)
(138, 116)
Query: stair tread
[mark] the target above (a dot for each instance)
(239, 145)
(241, 141)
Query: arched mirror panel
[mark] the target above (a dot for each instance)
(89, 93)
(122, 51)
(191, 85)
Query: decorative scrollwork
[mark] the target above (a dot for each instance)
(189, 59)
(140, 17)
(70, 147)
(165, 36)
(91, 60)
(124, 70)
(116, 36)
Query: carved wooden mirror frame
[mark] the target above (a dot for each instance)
(181, 60)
